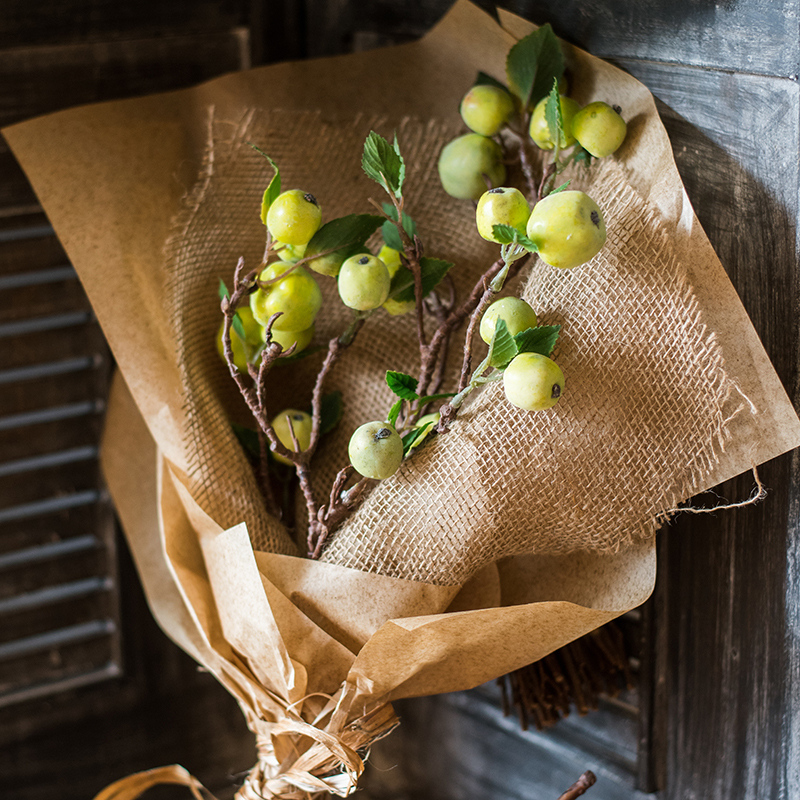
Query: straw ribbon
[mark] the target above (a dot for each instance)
(135, 785)
(331, 764)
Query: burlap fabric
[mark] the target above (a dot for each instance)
(641, 422)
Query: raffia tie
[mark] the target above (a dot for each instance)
(330, 764)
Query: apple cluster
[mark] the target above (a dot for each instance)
(471, 163)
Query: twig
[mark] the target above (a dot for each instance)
(586, 781)
(263, 474)
(322, 520)
(483, 294)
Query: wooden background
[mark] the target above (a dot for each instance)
(720, 691)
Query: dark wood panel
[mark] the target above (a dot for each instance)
(35, 440)
(51, 391)
(49, 528)
(37, 301)
(733, 665)
(459, 747)
(162, 711)
(758, 36)
(40, 347)
(29, 254)
(34, 577)
(23, 23)
(97, 605)
(105, 70)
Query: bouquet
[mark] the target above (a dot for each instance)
(505, 534)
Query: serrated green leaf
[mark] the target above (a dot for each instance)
(541, 339)
(401, 280)
(273, 189)
(394, 413)
(382, 163)
(330, 413)
(389, 230)
(343, 232)
(415, 437)
(532, 64)
(561, 188)
(553, 115)
(396, 146)
(482, 79)
(238, 326)
(248, 439)
(433, 272)
(505, 234)
(503, 347)
(391, 236)
(222, 291)
(402, 385)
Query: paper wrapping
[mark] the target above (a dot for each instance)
(306, 641)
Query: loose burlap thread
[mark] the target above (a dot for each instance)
(641, 423)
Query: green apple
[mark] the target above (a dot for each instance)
(296, 296)
(467, 162)
(501, 206)
(540, 131)
(485, 109)
(364, 282)
(294, 217)
(300, 422)
(568, 229)
(376, 450)
(599, 129)
(514, 311)
(533, 382)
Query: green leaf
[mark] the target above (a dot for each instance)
(248, 439)
(433, 271)
(396, 146)
(482, 79)
(391, 236)
(414, 437)
(541, 339)
(553, 115)
(505, 234)
(394, 413)
(238, 326)
(331, 410)
(223, 290)
(561, 188)
(582, 156)
(390, 233)
(532, 64)
(402, 385)
(273, 190)
(383, 163)
(401, 280)
(503, 347)
(343, 232)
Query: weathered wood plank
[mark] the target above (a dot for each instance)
(758, 36)
(733, 662)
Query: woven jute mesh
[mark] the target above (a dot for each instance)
(639, 426)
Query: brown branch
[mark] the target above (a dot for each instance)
(263, 474)
(475, 305)
(586, 781)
